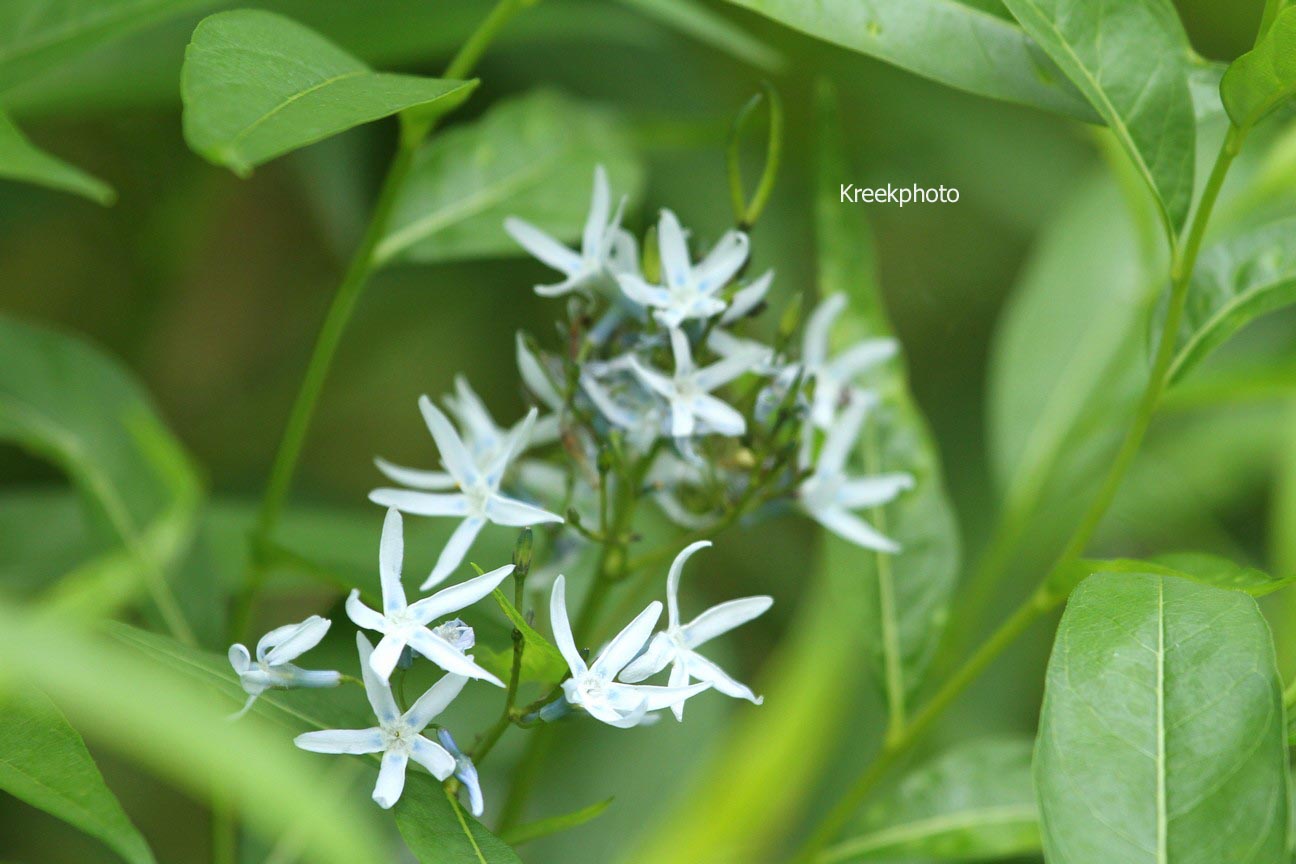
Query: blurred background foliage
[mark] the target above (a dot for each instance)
(211, 290)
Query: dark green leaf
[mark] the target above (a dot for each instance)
(975, 802)
(22, 160)
(532, 157)
(44, 762)
(439, 831)
(1264, 77)
(1129, 59)
(1161, 737)
(954, 42)
(908, 593)
(552, 825)
(256, 85)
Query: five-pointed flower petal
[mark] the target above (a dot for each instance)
(405, 624)
(828, 495)
(397, 736)
(601, 243)
(273, 666)
(478, 499)
(693, 410)
(465, 772)
(833, 378)
(678, 643)
(690, 291)
(593, 686)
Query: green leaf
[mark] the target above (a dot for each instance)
(908, 593)
(554, 824)
(541, 661)
(955, 42)
(40, 35)
(44, 762)
(439, 831)
(1264, 77)
(1206, 569)
(1130, 60)
(67, 402)
(256, 85)
(694, 19)
(21, 160)
(1161, 736)
(532, 157)
(1235, 282)
(974, 802)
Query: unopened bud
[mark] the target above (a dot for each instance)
(523, 551)
(605, 460)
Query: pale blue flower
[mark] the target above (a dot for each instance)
(273, 666)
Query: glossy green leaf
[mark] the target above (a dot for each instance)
(66, 402)
(438, 830)
(541, 661)
(256, 85)
(23, 161)
(908, 593)
(532, 157)
(1161, 736)
(39, 35)
(1235, 282)
(1129, 59)
(1264, 77)
(955, 42)
(44, 762)
(553, 824)
(973, 803)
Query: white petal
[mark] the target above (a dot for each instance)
(361, 615)
(434, 701)
(561, 626)
(636, 289)
(746, 299)
(659, 652)
(459, 596)
(302, 638)
(623, 249)
(454, 455)
(861, 357)
(718, 416)
(652, 379)
(597, 222)
(674, 250)
(841, 438)
(309, 678)
(682, 353)
(453, 553)
(724, 617)
(704, 670)
(724, 260)
(391, 551)
(472, 412)
(628, 643)
(433, 757)
(872, 491)
(391, 779)
(679, 678)
(542, 246)
(514, 443)
(850, 527)
(815, 341)
(354, 741)
(421, 503)
(429, 481)
(385, 657)
(673, 579)
(515, 514)
(448, 657)
(534, 375)
(558, 289)
(247, 706)
(682, 420)
(657, 698)
(239, 658)
(723, 371)
(606, 405)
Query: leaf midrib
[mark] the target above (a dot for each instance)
(246, 131)
(931, 826)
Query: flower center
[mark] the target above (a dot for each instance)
(398, 737)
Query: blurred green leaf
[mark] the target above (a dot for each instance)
(1161, 737)
(66, 402)
(44, 762)
(908, 593)
(1264, 77)
(1213, 570)
(1235, 282)
(22, 160)
(532, 157)
(552, 825)
(178, 729)
(38, 35)
(438, 831)
(974, 802)
(955, 42)
(692, 18)
(256, 85)
(541, 661)
(1128, 58)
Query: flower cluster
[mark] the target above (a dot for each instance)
(660, 395)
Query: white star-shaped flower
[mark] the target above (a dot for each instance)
(404, 624)
(397, 736)
(274, 655)
(834, 378)
(693, 410)
(478, 499)
(678, 643)
(828, 495)
(604, 250)
(690, 291)
(594, 686)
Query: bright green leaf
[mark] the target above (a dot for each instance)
(1264, 77)
(553, 824)
(44, 762)
(22, 160)
(1206, 569)
(955, 42)
(974, 802)
(1161, 737)
(907, 593)
(532, 157)
(1130, 60)
(541, 661)
(256, 85)
(692, 18)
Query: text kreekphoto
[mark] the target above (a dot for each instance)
(849, 193)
